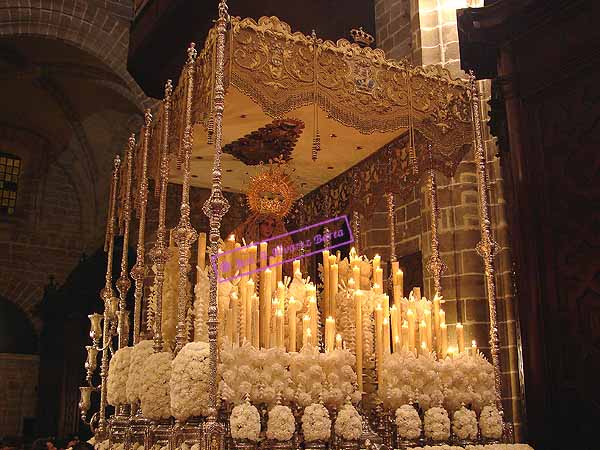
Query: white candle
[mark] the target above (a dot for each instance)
(330, 333)
(395, 327)
(333, 281)
(460, 337)
(201, 250)
(386, 335)
(338, 341)
(444, 339)
(358, 299)
(305, 329)
(292, 324)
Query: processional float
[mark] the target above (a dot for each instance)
(282, 82)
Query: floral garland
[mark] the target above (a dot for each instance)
(281, 423)
(245, 422)
(118, 372)
(406, 379)
(348, 424)
(408, 422)
(468, 380)
(464, 424)
(141, 352)
(154, 379)
(316, 424)
(437, 424)
(189, 382)
(490, 423)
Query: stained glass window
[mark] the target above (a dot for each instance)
(10, 168)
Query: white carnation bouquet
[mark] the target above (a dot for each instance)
(340, 378)
(140, 353)
(490, 423)
(190, 381)
(464, 424)
(316, 424)
(155, 393)
(467, 380)
(348, 423)
(245, 422)
(406, 379)
(274, 379)
(307, 375)
(239, 373)
(408, 422)
(118, 372)
(437, 424)
(281, 423)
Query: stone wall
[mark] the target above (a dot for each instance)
(18, 391)
(392, 28)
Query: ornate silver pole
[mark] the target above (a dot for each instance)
(139, 270)
(160, 253)
(487, 247)
(107, 294)
(356, 231)
(123, 283)
(436, 266)
(389, 196)
(185, 235)
(215, 208)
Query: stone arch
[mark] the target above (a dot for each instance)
(23, 293)
(76, 23)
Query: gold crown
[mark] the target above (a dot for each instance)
(272, 192)
(361, 37)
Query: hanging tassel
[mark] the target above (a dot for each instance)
(316, 146)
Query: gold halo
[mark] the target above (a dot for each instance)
(272, 192)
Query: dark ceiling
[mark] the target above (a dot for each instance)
(163, 29)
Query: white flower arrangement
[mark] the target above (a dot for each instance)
(281, 423)
(340, 378)
(464, 424)
(189, 382)
(307, 375)
(408, 422)
(348, 424)
(437, 424)
(406, 379)
(467, 380)
(490, 423)
(316, 424)
(245, 422)
(141, 352)
(118, 372)
(155, 393)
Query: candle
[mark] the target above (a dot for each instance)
(266, 309)
(422, 333)
(395, 268)
(444, 340)
(329, 333)
(473, 347)
(376, 262)
(460, 337)
(255, 321)
(428, 330)
(292, 324)
(229, 247)
(356, 275)
(281, 295)
(442, 316)
(280, 330)
(410, 318)
(400, 281)
(263, 255)
(251, 252)
(272, 263)
(436, 313)
(378, 279)
(386, 305)
(386, 335)
(235, 313)
(279, 263)
(296, 268)
(305, 329)
(326, 295)
(379, 340)
(417, 293)
(312, 311)
(338, 341)
(404, 338)
(395, 328)
(249, 306)
(424, 348)
(201, 250)
(333, 286)
(307, 338)
(358, 300)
